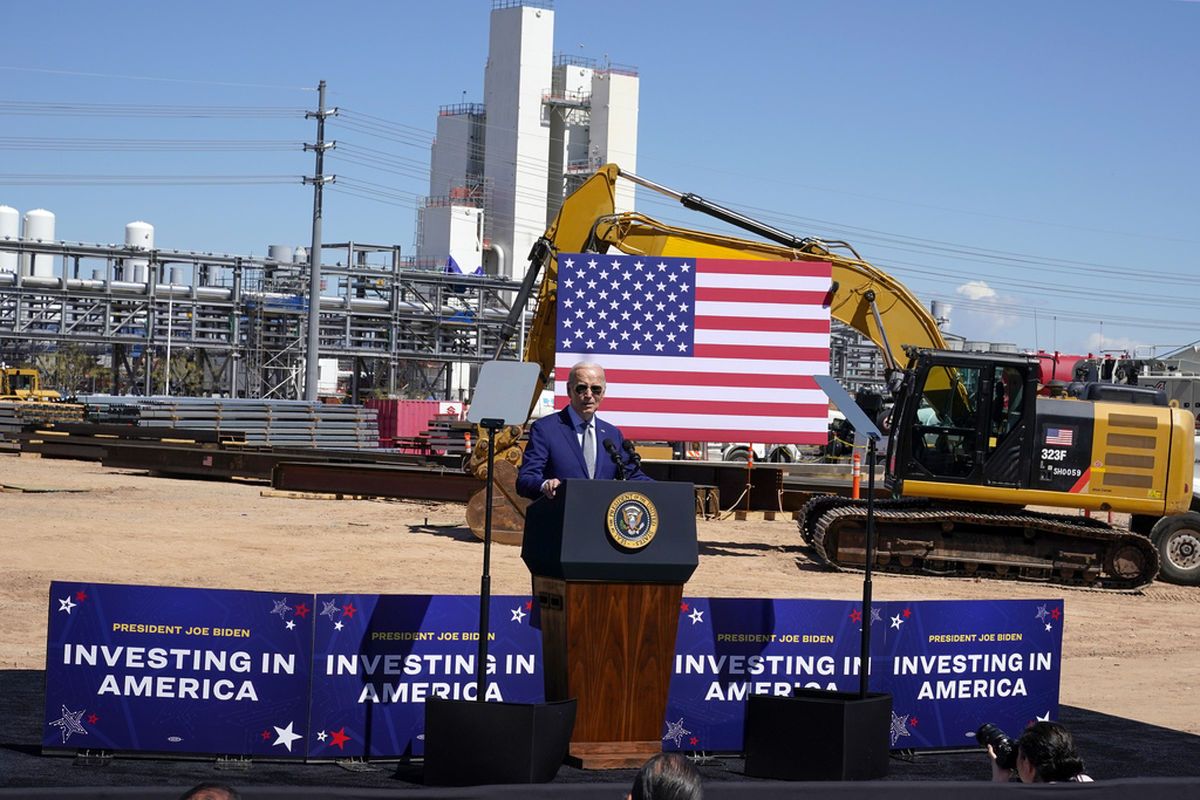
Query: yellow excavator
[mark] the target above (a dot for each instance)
(971, 447)
(24, 384)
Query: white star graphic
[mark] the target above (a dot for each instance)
(66, 604)
(899, 727)
(518, 615)
(321, 736)
(696, 616)
(286, 736)
(897, 622)
(1047, 626)
(337, 626)
(281, 608)
(1046, 718)
(69, 723)
(676, 731)
(1042, 613)
(290, 625)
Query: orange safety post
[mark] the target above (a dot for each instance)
(856, 473)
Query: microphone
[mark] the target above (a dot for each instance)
(616, 457)
(634, 455)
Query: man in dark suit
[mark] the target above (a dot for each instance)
(570, 444)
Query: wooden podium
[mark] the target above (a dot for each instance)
(609, 560)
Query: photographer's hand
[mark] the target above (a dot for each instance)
(999, 774)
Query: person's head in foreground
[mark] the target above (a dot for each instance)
(210, 791)
(1045, 754)
(667, 776)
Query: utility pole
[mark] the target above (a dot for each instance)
(312, 353)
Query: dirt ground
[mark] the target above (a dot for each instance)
(1132, 656)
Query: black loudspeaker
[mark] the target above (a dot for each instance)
(468, 743)
(818, 735)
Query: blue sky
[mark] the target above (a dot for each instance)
(1033, 163)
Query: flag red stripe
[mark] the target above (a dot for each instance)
(739, 351)
(816, 269)
(700, 378)
(773, 324)
(731, 407)
(650, 434)
(724, 294)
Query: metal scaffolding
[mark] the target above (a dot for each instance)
(246, 319)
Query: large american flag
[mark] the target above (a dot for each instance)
(699, 350)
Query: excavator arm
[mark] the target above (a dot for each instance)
(861, 296)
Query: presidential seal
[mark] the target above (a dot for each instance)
(632, 520)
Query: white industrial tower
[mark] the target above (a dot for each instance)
(500, 170)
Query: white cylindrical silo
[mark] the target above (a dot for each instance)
(279, 252)
(300, 255)
(37, 226)
(941, 312)
(177, 276)
(138, 236)
(977, 346)
(10, 230)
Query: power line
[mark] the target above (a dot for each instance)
(33, 179)
(155, 78)
(142, 111)
(79, 144)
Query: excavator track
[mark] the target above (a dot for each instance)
(920, 537)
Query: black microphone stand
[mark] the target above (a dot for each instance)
(634, 455)
(616, 458)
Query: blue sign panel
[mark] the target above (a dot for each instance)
(177, 670)
(950, 665)
(378, 657)
(215, 671)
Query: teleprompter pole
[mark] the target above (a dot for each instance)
(864, 665)
(485, 581)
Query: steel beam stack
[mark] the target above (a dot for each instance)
(273, 423)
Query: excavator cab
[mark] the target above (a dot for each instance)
(963, 418)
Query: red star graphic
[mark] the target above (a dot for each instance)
(694, 741)
(81, 595)
(856, 616)
(92, 718)
(683, 606)
(912, 721)
(348, 611)
(1055, 613)
(528, 605)
(907, 613)
(340, 738)
(266, 735)
(302, 610)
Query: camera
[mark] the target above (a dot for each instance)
(1003, 746)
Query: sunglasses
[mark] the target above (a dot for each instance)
(582, 388)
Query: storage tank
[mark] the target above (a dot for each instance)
(941, 312)
(138, 236)
(300, 256)
(1004, 347)
(279, 252)
(37, 226)
(10, 230)
(977, 347)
